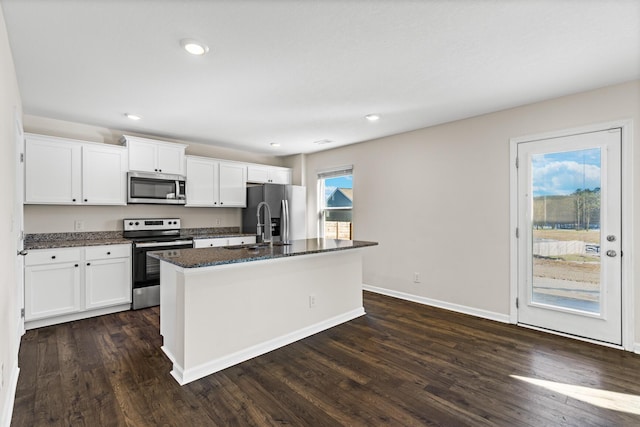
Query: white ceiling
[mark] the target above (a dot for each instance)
(295, 72)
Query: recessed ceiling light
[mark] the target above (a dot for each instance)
(275, 144)
(132, 116)
(372, 117)
(323, 141)
(194, 47)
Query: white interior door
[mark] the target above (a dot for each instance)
(569, 245)
(18, 217)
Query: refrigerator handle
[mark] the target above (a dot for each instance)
(285, 221)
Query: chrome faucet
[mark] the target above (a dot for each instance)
(267, 224)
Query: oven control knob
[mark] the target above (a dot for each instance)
(130, 222)
(137, 223)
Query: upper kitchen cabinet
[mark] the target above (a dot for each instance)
(69, 172)
(104, 175)
(148, 155)
(268, 174)
(215, 183)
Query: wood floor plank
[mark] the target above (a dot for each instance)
(401, 364)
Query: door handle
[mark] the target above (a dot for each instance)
(611, 253)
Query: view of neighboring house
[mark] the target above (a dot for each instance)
(338, 220)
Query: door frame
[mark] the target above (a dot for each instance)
(18, 213)
(628, 332)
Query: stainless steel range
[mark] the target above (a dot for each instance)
(151, 234)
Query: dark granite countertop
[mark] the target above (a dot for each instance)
(208, 257)
(97, 238)
(73, 240)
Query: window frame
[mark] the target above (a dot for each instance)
(322, 176)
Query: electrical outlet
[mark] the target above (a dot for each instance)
(78, 225)
(416, 277)
(218, 222)
(312, 301)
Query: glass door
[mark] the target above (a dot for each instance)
(570, 224)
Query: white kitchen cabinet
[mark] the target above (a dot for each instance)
(215, 183)
(53, 170)
(232, 184)
(70, 172)
(148, 155)
(216, 242)
(52, 283)
(104, 175)
(201, 177)
(74, 283)
(107, 275)
(263, 174)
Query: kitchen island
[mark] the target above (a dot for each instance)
(222, 306)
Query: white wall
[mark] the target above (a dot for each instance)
(9, 307)
(47, 219)
(437, 199)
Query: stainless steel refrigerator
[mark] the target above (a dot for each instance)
(282, 199)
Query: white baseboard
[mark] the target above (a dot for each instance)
(498, 317)
(39, 323)
(10, 398)
(636, 348)
(183, 376)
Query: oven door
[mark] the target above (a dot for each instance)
(146, 270)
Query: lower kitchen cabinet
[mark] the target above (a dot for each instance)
(53, 287)
(73, 283)
(223, 241)
(107, 275)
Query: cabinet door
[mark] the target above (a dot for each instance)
(142, 156)
(200, 180)
(51, 290)
(104, 175)
(280, 176)
(52, 171)
(107, 282)
(170, 159)
(233, 185)
(256, 173)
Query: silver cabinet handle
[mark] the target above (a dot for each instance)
(23, 252)
(611, 253)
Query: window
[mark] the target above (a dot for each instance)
(335, 190)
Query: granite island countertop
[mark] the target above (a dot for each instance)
(208, 257)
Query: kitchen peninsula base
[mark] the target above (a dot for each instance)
(214, 317)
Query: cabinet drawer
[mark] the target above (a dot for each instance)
(53, 256)
(107, 251)
(244, 240)
(210, 243)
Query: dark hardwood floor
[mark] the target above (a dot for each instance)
(402, 364)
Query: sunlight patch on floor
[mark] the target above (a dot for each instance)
(604, 399)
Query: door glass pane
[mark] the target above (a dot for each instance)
(566, 230)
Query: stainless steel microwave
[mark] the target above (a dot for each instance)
(156, 188)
